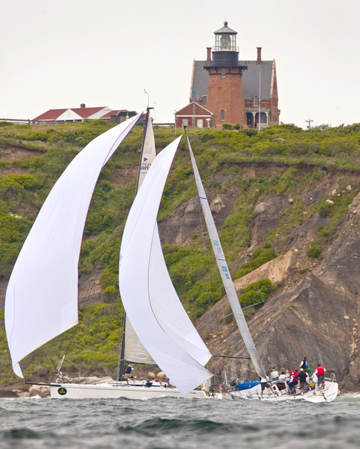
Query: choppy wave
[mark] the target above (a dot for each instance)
(172, 423)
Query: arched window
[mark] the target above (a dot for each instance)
(222, 115)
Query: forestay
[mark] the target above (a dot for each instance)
(42, 294)
(224, 271)
(148, 295)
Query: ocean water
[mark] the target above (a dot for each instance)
(178, 423)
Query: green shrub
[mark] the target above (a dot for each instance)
(258, 258)
(325, 210)
(257, 292)
(314, 252)
(227, 126)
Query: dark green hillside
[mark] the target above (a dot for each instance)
(240, 169)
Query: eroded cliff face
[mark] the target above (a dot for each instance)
(316, 312)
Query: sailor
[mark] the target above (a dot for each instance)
(274, 375)
(320, 372)
(264, 384)
(294, 380)
(305, 366)
(128, 372)
(282, 381)
(303, 379)
(287, 376)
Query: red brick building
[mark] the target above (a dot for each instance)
(194, 114)
(235, 91)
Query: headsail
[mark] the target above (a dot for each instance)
(154, 309)
(42, 294)
(224, 270)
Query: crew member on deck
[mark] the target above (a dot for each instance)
(320, 372)
(303, 379)
(274, 375)
(264, 384)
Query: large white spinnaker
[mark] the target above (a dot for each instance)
(224, 271)
(42, 294)
(147, 296)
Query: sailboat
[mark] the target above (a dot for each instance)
(140, 248)
(41, 298)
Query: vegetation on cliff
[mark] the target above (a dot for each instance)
(291, 164)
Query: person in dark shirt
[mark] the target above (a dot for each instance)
(303, 379)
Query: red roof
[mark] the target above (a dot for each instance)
(194, 108)
(51, 114)
(111, 113)
(54, 114)
(86, 112)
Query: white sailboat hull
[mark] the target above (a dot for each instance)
(328, 394)
(115, 390)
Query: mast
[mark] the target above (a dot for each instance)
(224, 270)
(141, 175)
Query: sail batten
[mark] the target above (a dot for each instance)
(42, 295)
(224, 271)
(148, 295)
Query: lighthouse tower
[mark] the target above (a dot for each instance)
(225, 93)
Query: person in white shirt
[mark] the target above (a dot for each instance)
(282, 381)
(274, 375)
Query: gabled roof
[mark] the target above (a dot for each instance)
(51, 114)
(193, 108)
(112, 113)
(250, 79)
(87, 112)
(74, 113)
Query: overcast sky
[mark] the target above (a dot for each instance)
(60, 54)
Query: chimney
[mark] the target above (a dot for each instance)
(82, 105)
(258, 55)
(208, 55)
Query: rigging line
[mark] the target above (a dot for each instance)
(231, 357)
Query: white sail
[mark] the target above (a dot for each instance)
(224, 271)
(42, 294)
(166, 332)
(135, 351)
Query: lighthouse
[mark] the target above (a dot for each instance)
(225, 97)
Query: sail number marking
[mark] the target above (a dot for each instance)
(226, 271)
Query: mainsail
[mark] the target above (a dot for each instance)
(224, 270)
(132, 348)
(148, 295)
(42, 294)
